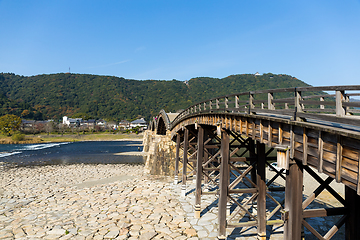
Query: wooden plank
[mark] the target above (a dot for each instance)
(350, 153)
(329, 156)
(329, 168)
(338, 160)
(314, 102)
(312, 141)
(305, 147)
(349, 175)
(348, 184)
(352, 143)
(349, 164)
(323, 212)
(330, 147)
(331, 118)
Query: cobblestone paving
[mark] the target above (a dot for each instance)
(109, 202)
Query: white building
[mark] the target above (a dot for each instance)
(138, 123)
(71, 121)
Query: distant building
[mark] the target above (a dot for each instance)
(101, 123)
(124, 124)
(139, 123)
(257, 74)
(72, 121)
(90, 123)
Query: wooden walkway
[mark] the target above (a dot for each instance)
(227, 142)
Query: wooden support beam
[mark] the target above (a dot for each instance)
(292, 142)
(261, 183)
(261, 131)
(324, 212)
(327, 186)
(358, 180)
(305, 147)
(200, 156)
(253, 129)
(253, 159)
(280, 134)
(338, 163)
(185, 161)
(270, 135)
(320, 152)
(293, 202)
(223, 186)
(352, 223)
(177, 158)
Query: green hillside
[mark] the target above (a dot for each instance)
(117, 98)
(20, 108)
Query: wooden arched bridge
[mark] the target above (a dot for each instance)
(227, 142)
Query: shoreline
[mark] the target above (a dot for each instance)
(31, 139)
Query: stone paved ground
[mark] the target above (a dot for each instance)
(53, 202)
(107, 202)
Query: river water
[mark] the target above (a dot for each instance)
(96, 152)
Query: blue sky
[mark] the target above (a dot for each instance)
(315, 41)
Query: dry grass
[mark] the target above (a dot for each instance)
(71, 138)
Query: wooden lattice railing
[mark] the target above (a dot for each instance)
(322, 104)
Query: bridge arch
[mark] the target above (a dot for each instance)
(162, 123)
(152, 124)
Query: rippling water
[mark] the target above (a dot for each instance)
(69, 153)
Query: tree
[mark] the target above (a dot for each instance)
(9, 123)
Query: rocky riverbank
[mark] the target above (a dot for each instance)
(89, 202)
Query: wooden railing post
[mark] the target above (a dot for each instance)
(217, 104)
(322, 99)
(177, 158)
(298, 105)
(199, 162)
(185, 161)
(251, 102)
(223, 186)
(210, 105)
(226, 102)
(236, 101)
(271, 105)
(340, 109)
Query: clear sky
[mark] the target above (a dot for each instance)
(315, 41)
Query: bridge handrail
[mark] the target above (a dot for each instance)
(338, 103)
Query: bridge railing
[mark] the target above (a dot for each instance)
(330, 104)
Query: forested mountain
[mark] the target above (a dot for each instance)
(109, 97)
(20, 109)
